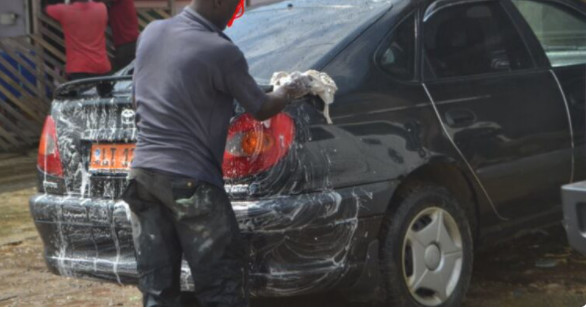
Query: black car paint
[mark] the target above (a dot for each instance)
(316, 216)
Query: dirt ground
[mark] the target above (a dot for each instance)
(536, 270)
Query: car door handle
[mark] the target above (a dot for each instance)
(460, 118)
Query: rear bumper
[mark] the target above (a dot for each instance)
(299, 244)
(574, 205)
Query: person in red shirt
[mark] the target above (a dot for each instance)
(84, 26)
(124, 24)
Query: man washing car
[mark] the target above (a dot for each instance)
(187, 75)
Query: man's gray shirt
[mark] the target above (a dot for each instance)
(186, 77)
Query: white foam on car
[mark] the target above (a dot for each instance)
(315, 82)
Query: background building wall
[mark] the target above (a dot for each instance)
(13, 18)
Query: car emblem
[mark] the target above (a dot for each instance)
(128, 116)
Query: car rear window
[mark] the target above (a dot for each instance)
(294, 36)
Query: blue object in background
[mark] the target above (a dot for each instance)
(30, 76)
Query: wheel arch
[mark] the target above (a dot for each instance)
(448, 173)
(428, 182)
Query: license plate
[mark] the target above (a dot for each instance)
(111, 157)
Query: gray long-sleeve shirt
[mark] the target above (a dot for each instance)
(186, 77)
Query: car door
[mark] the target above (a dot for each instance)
(498, 104)
(559, 27)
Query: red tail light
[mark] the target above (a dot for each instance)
(48, 159)
(255, 147)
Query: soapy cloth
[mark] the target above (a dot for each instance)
(315, 83)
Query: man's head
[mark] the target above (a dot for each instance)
(219, 12)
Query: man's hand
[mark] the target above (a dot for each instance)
(282, 96)
(297, 85)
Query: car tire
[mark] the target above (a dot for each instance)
(426, 249)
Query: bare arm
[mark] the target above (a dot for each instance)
(282, 96)
(54, 11)
(237, 81)
(276, 102)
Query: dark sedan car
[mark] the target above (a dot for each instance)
(455, 124)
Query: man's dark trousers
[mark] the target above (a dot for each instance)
(174, 216)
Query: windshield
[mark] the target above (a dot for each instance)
(295, 35)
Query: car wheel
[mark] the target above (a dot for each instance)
(426, 249)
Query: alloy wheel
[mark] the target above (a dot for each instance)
(432, 256)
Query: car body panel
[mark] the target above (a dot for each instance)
(507, 154)
(571, 81)
(299, 243)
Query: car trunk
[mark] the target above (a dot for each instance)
(93, 112)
